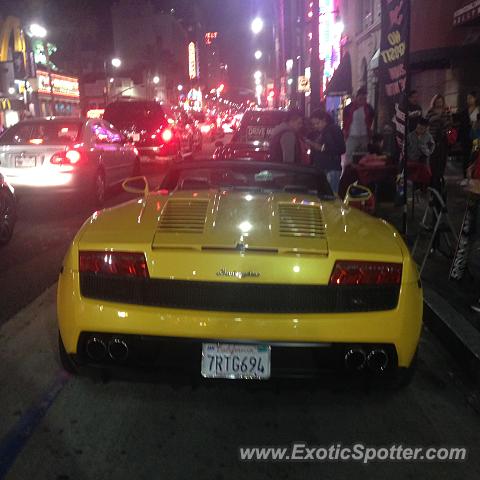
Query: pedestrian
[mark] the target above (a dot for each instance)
(468, 118)
(286, 142)
(327, 147)
(415, 112)
(421, 144)
(357, 125)
(440, 121)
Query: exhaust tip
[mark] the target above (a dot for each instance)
(96, 348)
(118, 349)
(377, 360)
(355, 359)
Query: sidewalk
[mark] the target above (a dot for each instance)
(447, 302)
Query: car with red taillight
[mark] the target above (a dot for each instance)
(146, 124)
(8, 211)
(66, 154)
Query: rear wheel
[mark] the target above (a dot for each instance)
(7, 216)
(67, 363)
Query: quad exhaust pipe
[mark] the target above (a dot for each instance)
(355, 359)
(118, 349)
(96, 348)
(376, 360)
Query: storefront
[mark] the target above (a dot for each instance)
(64, 95)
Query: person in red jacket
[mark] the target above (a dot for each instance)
(357, 125)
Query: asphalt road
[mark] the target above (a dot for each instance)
(55, 426)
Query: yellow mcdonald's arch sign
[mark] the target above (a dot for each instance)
(11, 27)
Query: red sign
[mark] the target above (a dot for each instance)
(62, 85)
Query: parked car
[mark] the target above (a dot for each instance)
(8, 211)
(146, 124)
(65, 154)
(256, 127)
(242, 270)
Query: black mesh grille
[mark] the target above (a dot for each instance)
(240, 297)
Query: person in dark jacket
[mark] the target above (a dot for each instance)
(327, 147)
(468, 118)
(415, 112)
(286, 144)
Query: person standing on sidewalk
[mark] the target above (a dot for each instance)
(440, 120)
(286, 143)
(357, 125)
(415, 112)
(327, 147)
(468, 118)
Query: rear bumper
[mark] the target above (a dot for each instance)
(183, 356)
(160, 154)
(47, 179)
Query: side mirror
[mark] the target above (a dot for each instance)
(357, 193)
(137, 185)
(219, 143)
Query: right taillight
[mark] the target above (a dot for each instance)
(366, 273)
(71, 156)
(121, 264)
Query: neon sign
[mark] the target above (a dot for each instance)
(330, 35)
(62, 85)
(192, 60)
(210, 37)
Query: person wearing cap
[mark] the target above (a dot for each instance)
(357, 125)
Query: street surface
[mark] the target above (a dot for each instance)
(55, 426)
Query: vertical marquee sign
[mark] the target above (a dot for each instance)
(394, 75)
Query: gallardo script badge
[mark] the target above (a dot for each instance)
(233, 273)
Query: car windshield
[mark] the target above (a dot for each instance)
(142, 114)
(42, 133)
(262, 177)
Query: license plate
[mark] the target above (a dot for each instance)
(223, 360)
(26, 161)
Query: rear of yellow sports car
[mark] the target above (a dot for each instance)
(239, 285)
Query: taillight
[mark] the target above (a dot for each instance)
(167, 135)
(205, 128)
(122, 264)
(68, 157)
(366, 273)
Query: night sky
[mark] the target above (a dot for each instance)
(84, 24)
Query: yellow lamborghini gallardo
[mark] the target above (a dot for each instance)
(240, 270)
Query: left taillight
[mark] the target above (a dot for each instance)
(120, 264)
(68, 157)
(366, 273)
(167, 135)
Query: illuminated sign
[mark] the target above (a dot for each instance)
(62, 85)
(192, 60)
(5, 104)
(330, 35)
(11, 27)
(210, 37)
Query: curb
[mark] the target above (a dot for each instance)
(456, 333)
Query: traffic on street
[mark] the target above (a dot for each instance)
(239, 241)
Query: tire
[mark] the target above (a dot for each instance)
(99, 188)
(8, 216)
(67, 363)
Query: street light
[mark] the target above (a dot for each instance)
(257, 75)
(179, 88)
(258, 54)
(116, 63)
(36, 30)
(257, 25)
(156, 79)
